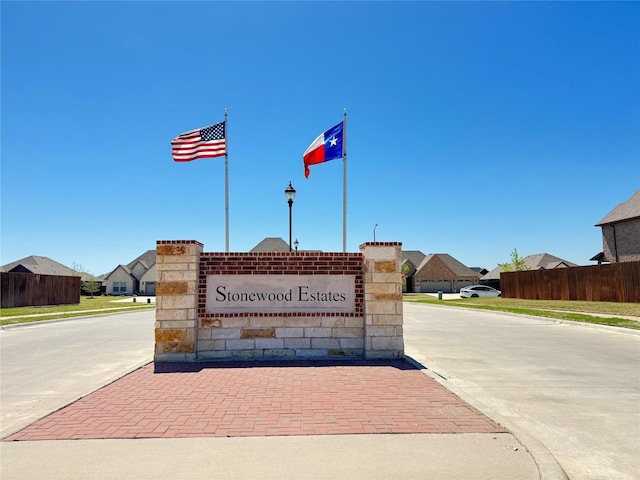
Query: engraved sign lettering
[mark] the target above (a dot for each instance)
(280, 293)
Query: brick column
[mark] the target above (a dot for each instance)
(177, 263)
(383, 300)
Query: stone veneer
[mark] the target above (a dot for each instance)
(184, 331)
(383, 300)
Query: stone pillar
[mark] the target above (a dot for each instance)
(383, 300)
(177, 267)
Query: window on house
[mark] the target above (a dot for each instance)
(119, 287)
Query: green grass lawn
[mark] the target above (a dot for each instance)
(102, 304)
(581, 311)
(559, 309)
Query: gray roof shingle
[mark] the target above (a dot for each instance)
(271, 244)
(457, 268)
(537, 261)
(40, 265)
(148, 259)
(624, 211)
(414, 256)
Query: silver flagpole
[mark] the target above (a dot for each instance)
(344, 183)
(226, 181)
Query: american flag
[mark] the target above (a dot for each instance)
(206, 142)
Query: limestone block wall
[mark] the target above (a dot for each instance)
(177, 264)
(185, 331)
(384, 337)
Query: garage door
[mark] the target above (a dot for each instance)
(150, 288)
(433, 286)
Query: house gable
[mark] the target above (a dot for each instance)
(141, 270)
(121, 282)
(410, 269)
(147, 260)
(442, 266)
(271, 244)
(442, 272)
(414, 256)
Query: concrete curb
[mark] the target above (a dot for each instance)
(555, 321)
(548, 466)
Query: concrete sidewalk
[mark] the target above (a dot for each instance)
(358, 457)
(277, 420)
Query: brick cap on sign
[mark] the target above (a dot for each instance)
(285, 254)
(179, 242)
(381, 244)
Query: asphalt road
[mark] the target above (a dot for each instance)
(575, 388)
(45, 366)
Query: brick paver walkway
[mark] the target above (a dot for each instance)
(257, 399)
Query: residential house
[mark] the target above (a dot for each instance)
(275, 244)
(621, 233)
(40, 265)
(271, 244)
(136, 277)
(539, 261)
(45, 266)
(440, 272)
(411, 259)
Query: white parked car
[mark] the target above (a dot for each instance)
(479, 291)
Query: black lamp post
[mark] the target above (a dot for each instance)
(295, 244)
(290, 194)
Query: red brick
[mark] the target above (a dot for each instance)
(264, 400)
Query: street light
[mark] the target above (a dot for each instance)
(290, 194)
(295, 244)
(374, 232)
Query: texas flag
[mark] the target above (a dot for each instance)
(328, 146)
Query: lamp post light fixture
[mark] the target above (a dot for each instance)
(290, 195)
(374, 232)
(295, 244)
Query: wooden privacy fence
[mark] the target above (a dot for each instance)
(616, 282)
(30, 289)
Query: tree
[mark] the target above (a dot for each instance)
(88, 282)
(405, 271)
(91, 287)
(517, 263)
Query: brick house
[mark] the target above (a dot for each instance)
(441, 272)
(621, 233)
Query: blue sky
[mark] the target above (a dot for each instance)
(473, 128)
